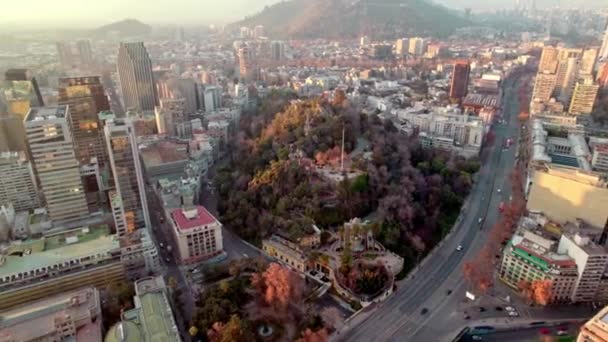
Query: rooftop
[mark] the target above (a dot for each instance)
(163, 152)
(46, 113)
(37, 319)
(57, 249)
(152, 318)
(193, 217)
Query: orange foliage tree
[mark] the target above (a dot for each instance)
(314, 336)
(278, 286)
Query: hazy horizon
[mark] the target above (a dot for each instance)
(84, 14)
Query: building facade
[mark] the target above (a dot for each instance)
(128, 175)
(460, 80)
(198, 235)
(86, 98)
(56, 167)
(18, 183)
(583, 97)
(136, 77)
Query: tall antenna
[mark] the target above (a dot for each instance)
(342, 154)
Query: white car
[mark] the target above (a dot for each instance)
(510, 308)
(499, 190)
(480, 220)
(513, 314)
(562, 333)
(459, 248)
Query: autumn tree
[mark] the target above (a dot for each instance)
(541, 290)
(235, 330)
(314, 336)
(278, 286)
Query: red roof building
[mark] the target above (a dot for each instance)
(197, 233)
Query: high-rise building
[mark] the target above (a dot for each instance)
(602, 78)
(247, 66)
(52, 151)
(213, 98)
(86, 99)
(544, 85)
(548, 60)
(12, 133)
(401, 46)
(65, 54)
(22, 91)
(460, 80)
(567, 73)
(277, 50)
(18, 184)
(417, 46)
(128, 174)
(588, 61)
(85, 53)
(136, 78)
(583, 97)
(187, 90)
(170, 115)
(596, 329)
(603, 55)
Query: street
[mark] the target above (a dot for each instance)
(234, 247)
(400, 318)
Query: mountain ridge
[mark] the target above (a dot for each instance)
(343, 18)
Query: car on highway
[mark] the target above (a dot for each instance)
(510, 308)
(499, 190)
(480, 220)
(513, 314)
(459, 248)
(562, 332)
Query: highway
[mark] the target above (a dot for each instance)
(400, 318)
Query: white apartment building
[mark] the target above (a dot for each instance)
(446, 129)
(55, 164)
(198, 235)
(591, 261)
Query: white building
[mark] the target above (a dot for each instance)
(591, 261)
(417, 46)
(55, 164)
(446, 129)
(198, 235)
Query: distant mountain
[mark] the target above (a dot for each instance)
(351, 18)
(125, 28)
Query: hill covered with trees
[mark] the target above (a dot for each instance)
(347, 18)
(275, 184)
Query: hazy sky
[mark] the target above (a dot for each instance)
(91, 13)
(66, 13)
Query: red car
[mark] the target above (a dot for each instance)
(501, 207)
(544, 331)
